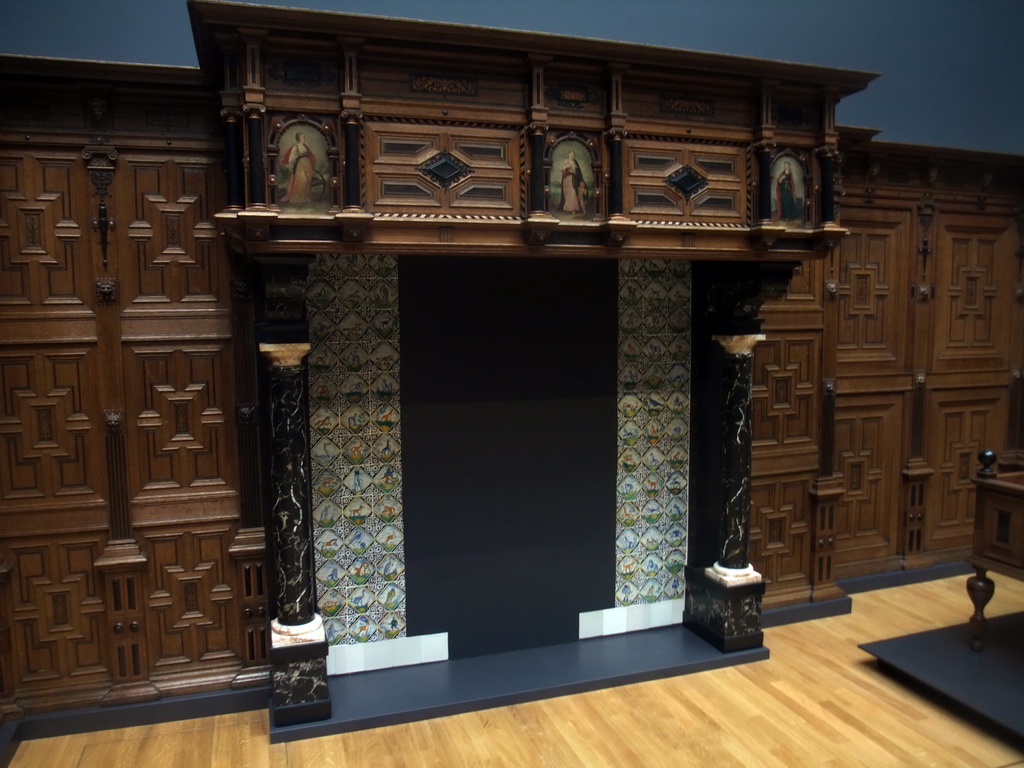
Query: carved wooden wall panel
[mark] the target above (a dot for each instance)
(51, 444)
(42, 220)
(191, 600)
(870, 287)
(179, 398)
(779, 536)
(57, 612)
(975, 278)
(170, 257)
(783, 392)
(868, 455)
(960, 424)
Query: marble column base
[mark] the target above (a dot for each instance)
(298, 658)
(732, 577)
(726, 616)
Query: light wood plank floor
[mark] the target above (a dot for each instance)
(818, 701)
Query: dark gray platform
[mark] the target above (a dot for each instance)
(405, 694)
(989, 684)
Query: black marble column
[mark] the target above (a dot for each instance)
(723, 591)
(289, 483)
(298, 641)
(736, 451)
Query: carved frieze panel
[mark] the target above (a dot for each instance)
(170, 255)
(41, 264)
(442, 169)
(673, 181)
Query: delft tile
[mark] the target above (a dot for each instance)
(358, 541)
(391, 567)
(626, 594)
(390, 538)
(627, 540)
(320, 326)
(675, 561)
(652, 591)
(361, 570)
(330, 603)
(353, 389)
(385, 448)
(324, 451)
(357, 510)
(388, 509)
(326, 513)
(627, 566)
(385, 357)
(355, 451)
(361, 599)
(329, 574)
(363, 629)
(651, 565)
(392, 625)
(391, 596)
(652, 539)
(327, 544)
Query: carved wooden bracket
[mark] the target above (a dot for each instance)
(100, 164)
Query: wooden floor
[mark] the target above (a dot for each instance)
(819, 701)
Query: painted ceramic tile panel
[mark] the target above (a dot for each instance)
(652, 478)
(355, 447)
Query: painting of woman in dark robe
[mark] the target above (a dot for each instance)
(571, 180)
(788, 197)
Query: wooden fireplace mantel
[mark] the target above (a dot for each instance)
(420, 137)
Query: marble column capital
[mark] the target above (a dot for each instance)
(285, 355)
(739, 345)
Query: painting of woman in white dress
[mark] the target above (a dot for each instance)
(301, 170)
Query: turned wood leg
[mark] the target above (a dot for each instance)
(980, 588)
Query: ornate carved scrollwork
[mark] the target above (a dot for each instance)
(100, 164)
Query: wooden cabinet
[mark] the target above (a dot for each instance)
(998, 542)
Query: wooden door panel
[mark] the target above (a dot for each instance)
(786, 371)
(868, 458)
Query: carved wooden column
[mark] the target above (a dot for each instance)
(298, 641)
(723, 591)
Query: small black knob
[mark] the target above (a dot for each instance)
(987, 459)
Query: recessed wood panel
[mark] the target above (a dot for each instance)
(779, 536)
(867, 450)
(960, 423)
(179, 432)
(784, 386)
(871, 290)
(976, 275)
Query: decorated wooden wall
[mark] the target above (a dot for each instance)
(123, 578)
(917, 324)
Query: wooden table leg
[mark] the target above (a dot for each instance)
(980, 588)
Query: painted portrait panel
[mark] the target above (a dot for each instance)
(303, 172)
(788, 190)
(572, 181)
